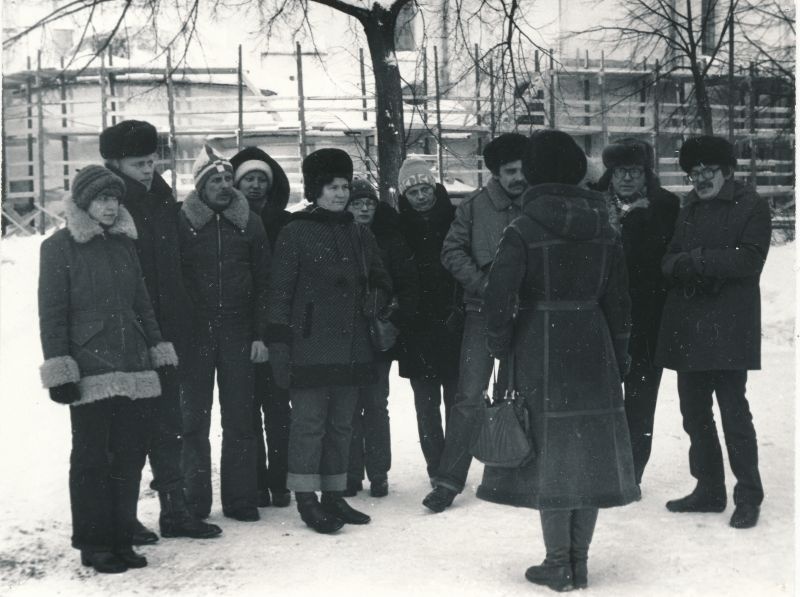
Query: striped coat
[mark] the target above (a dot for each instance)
(562, 266)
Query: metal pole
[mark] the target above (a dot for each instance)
(171, 140)
(364, 114)
(552, 90)
(240, 129)
(656, 116)
(41, 140)
(301, 105)
(439, 152)
(64, 124)
(103, 97)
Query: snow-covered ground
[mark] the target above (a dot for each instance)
(474, 548)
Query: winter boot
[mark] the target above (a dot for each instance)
(176, 520)
(555, 574)
(263, 500)
(379, 487)
(745, 516)
(582, 523)
(104, 562)
(130, 557)
(353, 487)
(281, 499)
(333, 503)
(314, 515)
(702, 499)
(439, 499)
(580, 569)
(244, 514)
(141, 535)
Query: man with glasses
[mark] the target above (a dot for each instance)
(644, 213)
(711, 329)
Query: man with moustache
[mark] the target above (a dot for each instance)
(711, 326)
(129, 150)
(467, 253)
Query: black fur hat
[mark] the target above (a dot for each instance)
(553, 156)
(707, 150)
(506, 148)
(628, 151)
(129, 138)
(323, 165)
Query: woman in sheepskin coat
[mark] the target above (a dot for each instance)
(101, 346)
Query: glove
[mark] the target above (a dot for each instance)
(65, 394)
(684, 271)
(280, 359)
(258, 352)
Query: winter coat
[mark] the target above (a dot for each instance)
(399, 264)
(646, 233)
(225, 261)
(155, 213)
(430, 350)
(716, 324)
(471, 243)
(565, 266)
(96, 322)
(317, 298)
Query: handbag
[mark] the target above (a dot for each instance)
(503, 438)
(382, 332)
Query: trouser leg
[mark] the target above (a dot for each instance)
(197, 393)
(91, 498)
(475, 369)
(449, 393)
(130, 423)
(260, 390)
(309, 415)
(165, 443)
(641, 393)
(336, 440)
(740, 436)
(427, 400)
(355, 469)
(235, 380)
(695, 390)
(277, 414)
(377, 434)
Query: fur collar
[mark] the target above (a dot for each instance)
(199, 214)
(83, 228)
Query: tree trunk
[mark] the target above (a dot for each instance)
(379, 28)
(703, 101)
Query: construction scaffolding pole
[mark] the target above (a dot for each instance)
(64, 124)
(751, 113)
(364, 114)
(103, 94)
(171, 140)
(40, 142)
(301, 104)
(656, 115)
(240, 88)
(731, 80)
(552, 90)
(601, 79)
(439, 150)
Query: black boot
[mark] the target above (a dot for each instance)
(745, 516)
(176, 520)
(580, 569)
(281, 499)
(333, 503)
(245, 514)
(702, 499)
(353, 487)
(439, 499)
(314, 515)
(130, 557)
(379, 487)
(103, 561)
(263, 500)
(141, 535)
(555, 575)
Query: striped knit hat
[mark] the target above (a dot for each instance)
(92, 181)
(209, 162)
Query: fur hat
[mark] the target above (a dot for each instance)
(322, 166)
(251, 159)
(508, 147)
(706, 150)
(209, 162)
(361, 188)
(628, 151)
(92, 181)
(414, 171)
(129, 138)
(553, 156)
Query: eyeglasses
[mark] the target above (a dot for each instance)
(362, 203)
(703, 173)
(634, 173)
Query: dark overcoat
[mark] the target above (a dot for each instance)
(716, 323)
(96, 322)
(317, 298)
(430, 349)
(565, 266)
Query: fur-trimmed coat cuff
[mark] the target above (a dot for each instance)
(58, 371)
(163, 354)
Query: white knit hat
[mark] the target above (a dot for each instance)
(207, 163)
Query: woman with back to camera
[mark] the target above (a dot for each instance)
(557, 307)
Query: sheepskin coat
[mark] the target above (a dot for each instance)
(96, 322)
